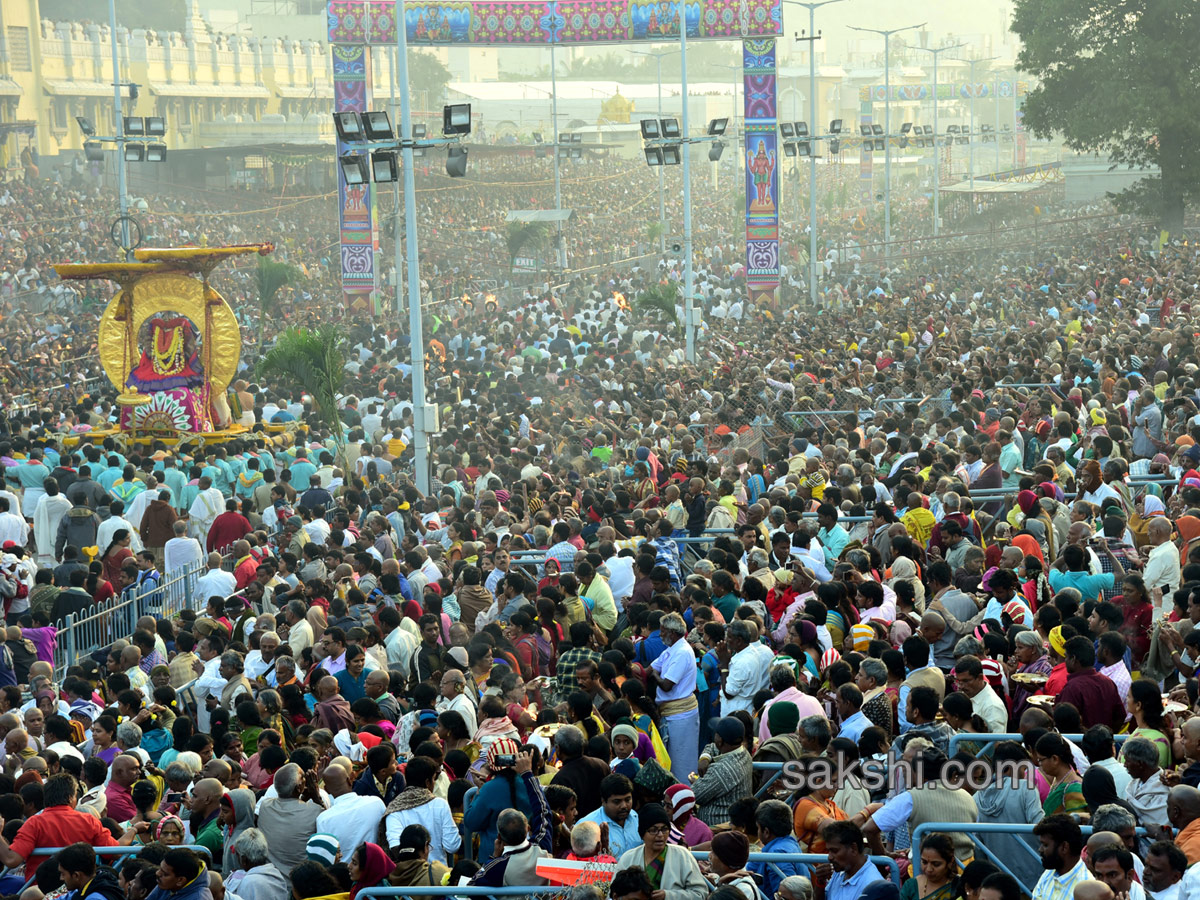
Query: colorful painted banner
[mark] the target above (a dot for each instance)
(572, 22)
(910, 92)
(356, 203)
(762, 170)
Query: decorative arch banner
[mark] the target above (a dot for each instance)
(762, 170)
(356, 25)
(570, 22)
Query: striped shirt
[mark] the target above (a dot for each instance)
(1052, 886)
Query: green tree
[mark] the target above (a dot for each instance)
(657, 303)
(1114, 79)
(270, 278)
(427, 76)
(520, 235)
(313, 360)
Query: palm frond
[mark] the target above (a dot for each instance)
(270, 278)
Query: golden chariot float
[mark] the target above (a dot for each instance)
(170, 345)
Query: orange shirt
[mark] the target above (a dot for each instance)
(808, 815)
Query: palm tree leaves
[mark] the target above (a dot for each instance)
(270, 278)
(658, 302)
(313, 360)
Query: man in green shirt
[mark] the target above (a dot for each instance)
(204, 822)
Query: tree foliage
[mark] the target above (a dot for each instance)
(313, 360)
(1118, 77)
(427, 75)
(658, 303)
(270, 278)
(521, 235)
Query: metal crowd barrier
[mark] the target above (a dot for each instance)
(961, 737)
(810, 859)
(81, 634)
(972, 829)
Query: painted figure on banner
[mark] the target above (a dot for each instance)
(761, 166)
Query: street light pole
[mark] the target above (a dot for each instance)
(560, 249)
(662, 206)
(971, 143)
(937, 135)
(688, 280)
(887, 127)
(415, 327)
(814, 127)
(396, 205)
(122, 189)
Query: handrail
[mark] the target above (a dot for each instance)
(960, 737)
(812, 859)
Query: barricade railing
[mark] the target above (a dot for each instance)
(83, 633)
(807, 860)
(534, 558)
(973, 829)
(966, 737)
(122, 850)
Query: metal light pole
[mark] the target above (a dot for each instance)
(688, 281)
(416, 336)
(937, 135)
(662, 206)
(887, 126)
(996, 128)
(122, 189)
(971, 143)
(396, 202)
(814, 127)
(560, 248)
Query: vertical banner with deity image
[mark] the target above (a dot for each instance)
(356, 203)
(761, 154)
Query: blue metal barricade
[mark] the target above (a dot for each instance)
(956, 739)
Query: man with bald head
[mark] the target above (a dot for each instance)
(1092, 890)
(332, 710)
(377, 688)
(205, 807)
(1183, 812)
(453, 695)
(126, 769)
(351, 818)
(289, 819)
(217, 769)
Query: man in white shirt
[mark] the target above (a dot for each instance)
(209, 681)
(454, 696)
(352, 818)
(213, 583)
(115, 522)
(1162, 564)
(209, 504)
(985, 703)
(749, 663)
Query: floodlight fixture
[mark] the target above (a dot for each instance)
(456, 119)
(354, 169)
(654, 155)
(876, 128)
(576, 153)
(835, 126)
(804, 148)
(650, 131)
(384, 168)
(377, 126)
(135, 126)
(880, 145)
(787, 129)
(537, 137)
(419, 131)
(672, 155)
(349, 126)
(715, 151)
(801, 129)
(85, 125)
(669, 128)
(835, 147)
(906, 128)
(789, 148)
(93, 151)
(717, 126)
(156, 152)
(864, 130)
(156, 126)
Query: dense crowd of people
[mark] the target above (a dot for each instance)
(961, 499)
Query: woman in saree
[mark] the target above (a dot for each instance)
(939, 871)
(904, 569)
(1057, 765)
(1029, 656)
(670, 868)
